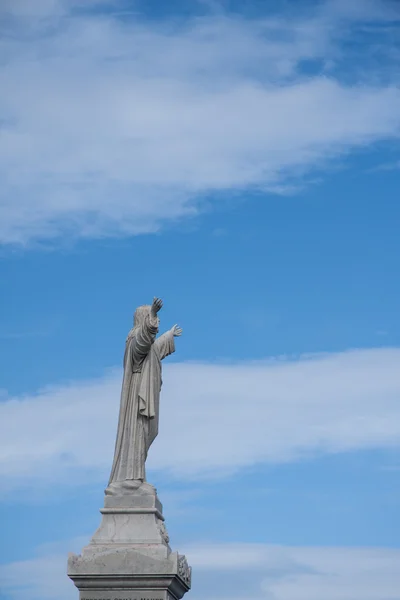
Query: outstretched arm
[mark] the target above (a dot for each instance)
(146, 334)
(155, 308)
(165, 343)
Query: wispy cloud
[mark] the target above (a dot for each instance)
(114, 126)
(264, 412)
(302, 573)
(44, 575)
(389, 166)
(265, 571)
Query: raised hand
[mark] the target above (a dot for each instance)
(156, 306)
(176, 330)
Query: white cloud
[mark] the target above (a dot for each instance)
(267, 572)
(362, 9)
(215, 419)
(44, 576)
(113, 127)
(304, 573)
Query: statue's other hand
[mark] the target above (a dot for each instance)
(156, 306)
(176, 330)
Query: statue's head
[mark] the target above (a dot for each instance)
(140, 314)
(138, 318)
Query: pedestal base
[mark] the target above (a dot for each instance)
(129, 557)
(128, 594)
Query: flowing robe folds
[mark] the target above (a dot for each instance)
(140, 400)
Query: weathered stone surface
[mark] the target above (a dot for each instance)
(127, 573)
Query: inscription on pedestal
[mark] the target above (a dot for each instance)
(156, 595)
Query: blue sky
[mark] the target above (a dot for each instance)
(241, 161)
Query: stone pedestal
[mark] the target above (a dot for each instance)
(129, 557)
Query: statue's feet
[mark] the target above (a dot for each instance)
(122, 488)
(147, 488)
(131, 493)
(129, 487)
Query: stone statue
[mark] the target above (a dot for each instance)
(129, 555)
(140, 398)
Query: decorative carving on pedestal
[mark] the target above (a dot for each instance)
(184, 571)
(130, 550)
(163, 530)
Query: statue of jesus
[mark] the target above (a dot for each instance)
(140, 398)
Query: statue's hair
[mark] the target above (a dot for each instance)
(138, 318)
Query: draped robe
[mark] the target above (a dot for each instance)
(140, 400)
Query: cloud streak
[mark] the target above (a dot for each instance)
(303, 573)
(215, 419)
(114, 127)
